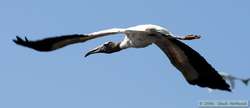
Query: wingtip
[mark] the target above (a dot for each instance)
(225, 88)
(20, 41)
(16, 39)
(228, 90)
(219, 84)
(26, 39)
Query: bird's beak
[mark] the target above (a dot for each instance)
(95, 50)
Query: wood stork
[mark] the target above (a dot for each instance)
(195, 69)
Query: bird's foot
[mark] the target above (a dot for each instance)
(190, 37)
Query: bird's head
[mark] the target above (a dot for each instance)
(108, 47)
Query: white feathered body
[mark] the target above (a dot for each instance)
(139, 36)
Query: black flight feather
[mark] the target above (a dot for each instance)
(53, 43)
(208, 76)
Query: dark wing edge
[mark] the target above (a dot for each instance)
(207, 75)
(53, 43)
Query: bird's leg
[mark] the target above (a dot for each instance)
(189, 37)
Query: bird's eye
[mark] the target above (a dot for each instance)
(151, 34)
(107, 44)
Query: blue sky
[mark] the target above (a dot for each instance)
(133, 78)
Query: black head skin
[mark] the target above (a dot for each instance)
(108, 47)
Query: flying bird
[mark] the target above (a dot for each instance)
(195, 69)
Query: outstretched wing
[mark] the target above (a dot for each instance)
(56, 42)
(53, 43)
(196, 70)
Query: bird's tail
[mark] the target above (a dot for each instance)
(245, 81)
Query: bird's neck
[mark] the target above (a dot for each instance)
(123, 45)
(116, 47)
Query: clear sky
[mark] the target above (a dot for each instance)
(133, 78)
